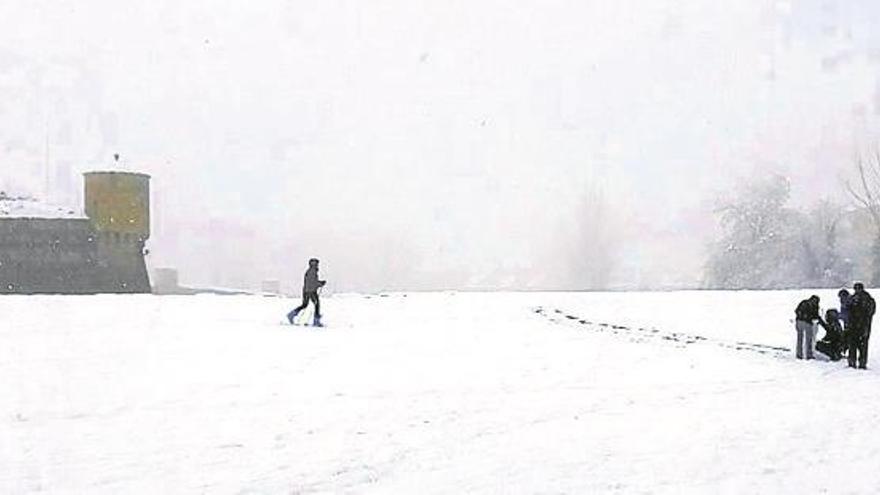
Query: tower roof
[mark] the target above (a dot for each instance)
(116, 172)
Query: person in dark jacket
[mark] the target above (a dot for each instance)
(861, 313)
(806, 314)
(832, 344)
(843, 315)
(311, 284)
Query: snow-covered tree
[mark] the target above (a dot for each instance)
(822, 261)
(761, 237)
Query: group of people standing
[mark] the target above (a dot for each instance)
(847, 330)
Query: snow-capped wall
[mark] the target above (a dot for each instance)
(26, 207)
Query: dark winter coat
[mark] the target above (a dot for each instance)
(832, 344)
(807, 311)
(833, 332)
(845, 302)
(310, 280)
(861, 311)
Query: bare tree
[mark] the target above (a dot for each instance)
(592, 254)
(822, 261)
(865, 190)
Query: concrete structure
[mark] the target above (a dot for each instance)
(118, 207)
(50, 250)
(166, 281)
(271, 287)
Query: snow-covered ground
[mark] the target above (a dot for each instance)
(428, 393)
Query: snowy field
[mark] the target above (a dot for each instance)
(682, 392)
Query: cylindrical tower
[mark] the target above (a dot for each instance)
(119, 202)
(118, 207)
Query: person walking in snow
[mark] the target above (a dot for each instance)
(806, 314)
(311, 284)
(861, 313)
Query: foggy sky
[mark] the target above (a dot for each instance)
(417, 144)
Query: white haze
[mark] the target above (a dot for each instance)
(416, 144)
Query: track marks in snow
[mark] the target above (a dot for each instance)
(642, 334)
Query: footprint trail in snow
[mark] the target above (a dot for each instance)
(641, 334)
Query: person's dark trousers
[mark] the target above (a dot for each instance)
(309, 296)
(863, 350)
(855, 342)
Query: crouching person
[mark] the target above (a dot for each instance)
(832, 344)
(806, 314)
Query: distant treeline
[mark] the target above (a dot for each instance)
(767, 244)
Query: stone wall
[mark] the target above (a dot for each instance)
(66, 256)
(47, 255)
